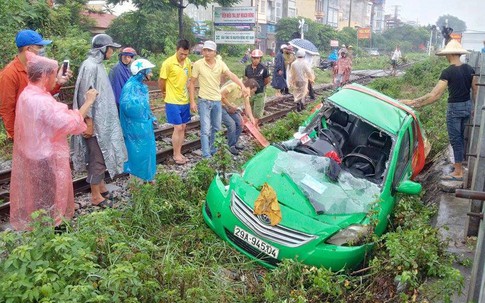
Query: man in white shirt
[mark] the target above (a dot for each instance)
(395, 57)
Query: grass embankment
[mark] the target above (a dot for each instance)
(158, 249)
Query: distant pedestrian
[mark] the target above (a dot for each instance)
(208, 72)
(343, 48)
(41, 174)
(483, 48)
(232, 102)
(175, 73)
(137, 122)
(120, 73)
(245, 58)
(396, 56)
(342, 70)
(279, 74)
(102, 145)
(459, 79)
(301, 74)
(258, 72)
(289, 57)
(13, 78)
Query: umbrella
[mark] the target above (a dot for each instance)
(306, 45)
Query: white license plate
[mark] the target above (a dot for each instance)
(256, 242)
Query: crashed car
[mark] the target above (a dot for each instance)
(320, 196)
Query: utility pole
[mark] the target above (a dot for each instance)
(350, 12)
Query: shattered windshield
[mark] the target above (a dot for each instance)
(347, 195)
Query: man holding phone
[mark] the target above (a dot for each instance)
(13, 78)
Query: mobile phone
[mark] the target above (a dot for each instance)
(65, 67)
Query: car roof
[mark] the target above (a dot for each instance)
(372, 106)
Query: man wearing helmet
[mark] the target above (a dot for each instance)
(13, 78)
(300, 74)
(137, 121)
(258, 72)
(120, 73)
(102, 145)
(174, 75)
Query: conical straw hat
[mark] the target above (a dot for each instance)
(452, 48)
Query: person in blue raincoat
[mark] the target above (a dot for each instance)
(137, 122)
(120, 73)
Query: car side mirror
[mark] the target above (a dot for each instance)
(409, 187)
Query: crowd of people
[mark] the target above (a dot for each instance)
(112, 125)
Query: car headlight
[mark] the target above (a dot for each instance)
(350, 236)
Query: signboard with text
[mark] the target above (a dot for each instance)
(363, 33)
(231, 16)
(235, 37)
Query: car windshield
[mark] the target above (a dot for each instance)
(348, 195)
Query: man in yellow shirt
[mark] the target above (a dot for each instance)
(208, 72)
(232, 102)
(174, 75)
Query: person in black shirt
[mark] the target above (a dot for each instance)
(459, 79)
(258, 72)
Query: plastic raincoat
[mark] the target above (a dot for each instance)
(104, 113)
(299, 75)
(279, 81)
(137, 124)
(41, 175)
(118, 76)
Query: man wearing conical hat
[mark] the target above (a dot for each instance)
(459, 79)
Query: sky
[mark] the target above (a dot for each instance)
(425, 12)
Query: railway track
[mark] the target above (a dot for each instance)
(276, 108)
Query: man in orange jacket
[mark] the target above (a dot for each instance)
(13, 78)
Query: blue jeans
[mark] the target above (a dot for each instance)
(210, 124)
(456, 118)
(234, 126)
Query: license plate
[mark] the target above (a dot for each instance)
(256, 242)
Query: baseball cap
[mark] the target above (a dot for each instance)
(210, 45)
(29, 37)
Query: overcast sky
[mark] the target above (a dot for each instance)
(428, 11)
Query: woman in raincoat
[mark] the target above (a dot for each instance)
(137, 122)
(41, 175)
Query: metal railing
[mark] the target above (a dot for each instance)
(476, 181)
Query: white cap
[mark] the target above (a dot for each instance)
(210, 45)
(283, 46)
(300, 53)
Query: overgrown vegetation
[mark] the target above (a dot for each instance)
(158, 249)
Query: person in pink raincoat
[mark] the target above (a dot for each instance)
(342, 69)
(41, 175)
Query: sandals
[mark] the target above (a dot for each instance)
(107, 195)
(106, 203)
(180, 162)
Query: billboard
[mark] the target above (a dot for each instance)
(235, 37)
(363, 33)
(232, 16)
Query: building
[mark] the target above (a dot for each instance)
(354, 13)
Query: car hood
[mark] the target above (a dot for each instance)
(300, 184)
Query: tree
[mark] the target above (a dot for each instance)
(319, 34)
(408, 37)
(142, 30)
(456, 24)
(171, 5)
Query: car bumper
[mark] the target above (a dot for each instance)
(220, 218)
